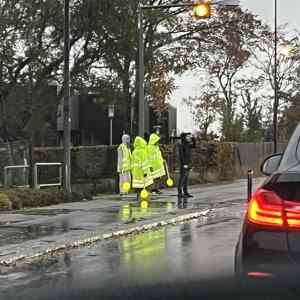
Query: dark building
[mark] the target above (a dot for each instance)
(167, 125)
(90, 122)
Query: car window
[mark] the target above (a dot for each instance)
(292, 152)
(286, 184)
(290, 177)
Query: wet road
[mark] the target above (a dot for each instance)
(189, 261)
(48, 224)
(193, 260)
(197, 251)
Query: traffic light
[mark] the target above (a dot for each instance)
(201, 9)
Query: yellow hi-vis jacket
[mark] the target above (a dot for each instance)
(155, 157)
(125, 161)
(140, 167)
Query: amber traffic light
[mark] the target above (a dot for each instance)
(201, 10)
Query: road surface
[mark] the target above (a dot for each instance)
(193, 260)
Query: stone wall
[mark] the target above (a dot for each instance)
(88, 163)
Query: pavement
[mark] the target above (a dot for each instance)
(32, 233)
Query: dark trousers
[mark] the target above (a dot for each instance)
(183, 181)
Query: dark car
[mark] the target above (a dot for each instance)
(269, 243)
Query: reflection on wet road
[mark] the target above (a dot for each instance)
(70, 220)
(189, 261)
(196, 251)
(61, 221)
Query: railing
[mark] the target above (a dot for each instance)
(7, 168)
(38, 185)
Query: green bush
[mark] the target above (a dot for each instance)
(5, 203)
(19, 198)
(225, 161)
(14, 198)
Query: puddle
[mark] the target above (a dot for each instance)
(9, 222)
(45, 212)
(143, 209)
(13, 276)
(10, 234)
(155, 204)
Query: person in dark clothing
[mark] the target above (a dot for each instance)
(146, 136)
(185, 157)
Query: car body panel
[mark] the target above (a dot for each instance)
(263, 248)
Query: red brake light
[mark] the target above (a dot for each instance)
(267, 208)
(259, 274)
(292, 214)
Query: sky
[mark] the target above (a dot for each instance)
(288, 12)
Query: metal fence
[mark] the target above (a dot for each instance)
(40, 168)
(251, 155)
(16, 175)
(13, 155)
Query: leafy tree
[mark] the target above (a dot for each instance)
(161, 88)
(224, 54)
(252, 117)
(34, 58)
(290, 118)
(252, 108)
(204, 108)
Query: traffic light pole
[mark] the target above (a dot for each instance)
(67, 118)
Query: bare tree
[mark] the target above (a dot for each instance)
(288, 62)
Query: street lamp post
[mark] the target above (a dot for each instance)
(276, 100)
(111, 114)
(67, 117)
(141, 68)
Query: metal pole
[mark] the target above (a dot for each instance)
(141, 74)
(275, 112)
(36, 174)
(67, 118)
(111, 132)
(249, 184)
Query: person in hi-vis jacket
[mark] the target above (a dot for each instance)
(140, 165)
(124, 163)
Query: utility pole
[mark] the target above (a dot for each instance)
(67, 117)
(276, 100)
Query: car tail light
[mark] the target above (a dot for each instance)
(292, 214)
(259, 274)
(267, 208)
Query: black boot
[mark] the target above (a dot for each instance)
(187, 195)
